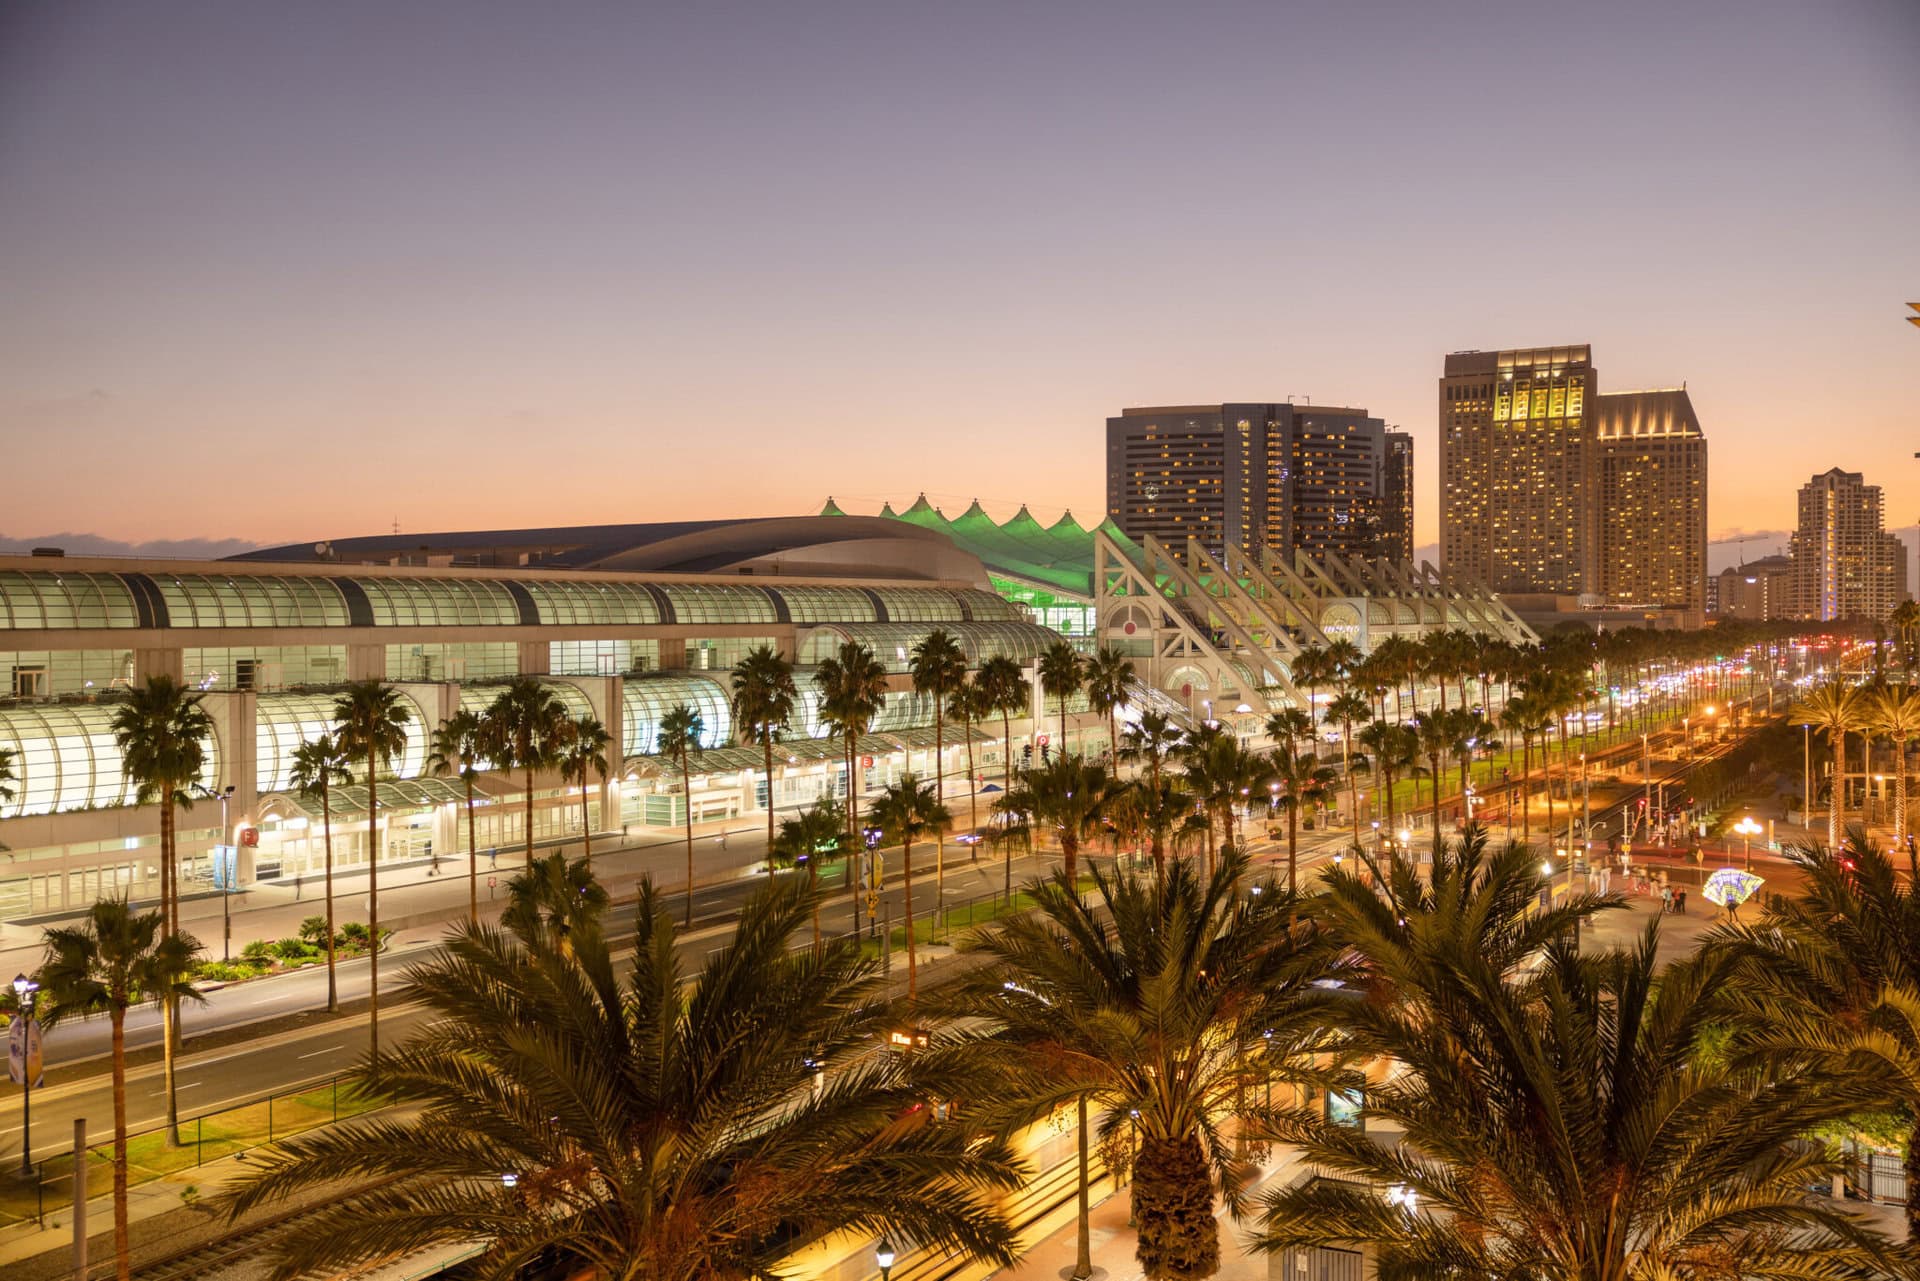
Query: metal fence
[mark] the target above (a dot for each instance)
(209, 1136)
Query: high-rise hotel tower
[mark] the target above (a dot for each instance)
(1548, 486)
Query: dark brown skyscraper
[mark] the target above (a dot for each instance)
(1259, 475)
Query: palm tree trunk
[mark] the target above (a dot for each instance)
(1838, 792)
(1386, 772)
(1434, 778)
(1006, 764)
(586, 823)
(1899, 790)
(973, 792)
(906, 873)
(686, 792)
(169, 1011)
(1526, 781)
(766, 743)
(1913, 1181)
(1346, 763)
(529, 815)
(122, 1253)
(1293, 844)
(373, 902)
(1070, 856)
(473, 862)
(939, 837)
(1083, 1257)
(1063, 724)
(326, 840)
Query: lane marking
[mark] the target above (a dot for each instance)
(317, 1053)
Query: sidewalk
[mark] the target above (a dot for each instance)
(411, 892)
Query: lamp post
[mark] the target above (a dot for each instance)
(24, 990)
(883, 1256)
(1748, 829)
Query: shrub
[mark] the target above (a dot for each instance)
(258, 950)
(223, 972)
(294, 950)
(354, 934)
(314, 930)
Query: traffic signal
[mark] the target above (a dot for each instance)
(1046, 753)
(1026, 753)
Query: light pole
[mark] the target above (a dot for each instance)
(1748, 829)
(883, 1256)
(24, 990)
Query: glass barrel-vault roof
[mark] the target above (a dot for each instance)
(35, 599)
(64, 758)
(650, 698)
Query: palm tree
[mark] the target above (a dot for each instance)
(853, 689)
(1222, 774)
(1836, 710)
(1896, 714)
(117, 958)
(1392, 748)
(523, 728)
(1167, 1003)
(969, 706)
(938, 669)
(370, 723)
(1837, 975)
(820, 831)
(1343, 711)
(908, 811)
(1063, 673)
(582, 750)
(1150, 741)
(456, 750)
(1311, 668)
(558, 901)
(1069, 797)
(162, 733)
(7, 776)
(656, 1128)
(1159, 808)
(1007, 691)
(1569, 1117)
(1303, 781)
(680, 731)
(319, 766)
(1290, 725)
(1436, 733)
(764, 696)
(1109, 677)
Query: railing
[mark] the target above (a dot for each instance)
(208, 1137)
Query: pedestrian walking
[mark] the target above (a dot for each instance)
(1680, 903)
(1666, 900)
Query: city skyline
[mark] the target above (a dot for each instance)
(238, 235)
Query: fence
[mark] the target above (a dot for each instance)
(207, 1137)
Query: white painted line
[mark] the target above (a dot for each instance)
(189, 1085)
(317, 1053)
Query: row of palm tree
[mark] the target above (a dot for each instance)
(1561, 1113)
(1876, 710)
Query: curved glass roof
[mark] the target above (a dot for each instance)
(64, 758)
(892, 643)
(48, 599)
(65, 599)
(282, 722)
(650, 698)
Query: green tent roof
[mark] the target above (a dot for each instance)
(1057, 556)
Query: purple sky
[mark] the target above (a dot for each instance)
(283, 271)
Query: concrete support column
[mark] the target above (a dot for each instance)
(536, 658)
(366, 662)
(157, 662)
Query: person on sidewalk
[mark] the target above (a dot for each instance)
(1666, 900)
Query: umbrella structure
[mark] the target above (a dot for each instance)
(1731, 886)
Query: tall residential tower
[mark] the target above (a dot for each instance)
(1247, 475)
(1845, 564)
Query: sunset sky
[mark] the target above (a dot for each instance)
(282, 271)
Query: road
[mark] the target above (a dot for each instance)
(231, 1073)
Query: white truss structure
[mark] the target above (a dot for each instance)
(1224, 636)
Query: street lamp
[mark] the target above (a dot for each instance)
(883, 1255)
(1748, 829)
(24, 990)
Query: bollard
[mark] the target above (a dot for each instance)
(79, 1198)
